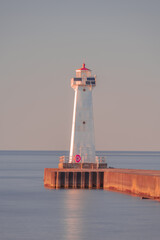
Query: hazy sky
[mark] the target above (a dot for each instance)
(42, 42)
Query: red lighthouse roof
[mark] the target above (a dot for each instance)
(84, 68)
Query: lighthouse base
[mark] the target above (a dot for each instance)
(73, 178)
(83, 165)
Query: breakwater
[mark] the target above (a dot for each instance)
(143, 183)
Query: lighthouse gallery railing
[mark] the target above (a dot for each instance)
(98, 159)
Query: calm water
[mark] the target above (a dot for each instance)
(29, 211)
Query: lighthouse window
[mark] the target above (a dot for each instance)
(77, 79)
(93, 82)
(88, 82)
(84, 122)
(91, 79)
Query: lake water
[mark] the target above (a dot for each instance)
(30, 211)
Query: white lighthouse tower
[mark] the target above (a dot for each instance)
(82, 147)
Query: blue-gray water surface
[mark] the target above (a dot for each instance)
(30, 211)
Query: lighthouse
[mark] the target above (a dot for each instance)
(81, 168)
(82, 146)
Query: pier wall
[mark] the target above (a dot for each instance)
(73, 178)
(143, 183)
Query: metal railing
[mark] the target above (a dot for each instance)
(84, 159)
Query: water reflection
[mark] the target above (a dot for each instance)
(74, 206)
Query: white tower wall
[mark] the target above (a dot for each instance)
(82, 136)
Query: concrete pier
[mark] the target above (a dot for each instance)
(73, 178)
(143, 183)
